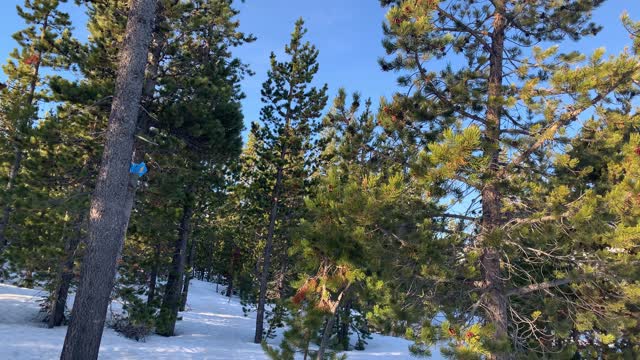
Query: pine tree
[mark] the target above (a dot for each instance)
(291, 105)
(107, 220)
(601, 217)
(47, 36)
(356, 214)
(71, 159)
(58, 188)
(597, 168)
(241, 224)
(200, 107)
(497, 114)
(54, 159)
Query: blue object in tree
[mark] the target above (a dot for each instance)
(139, 169)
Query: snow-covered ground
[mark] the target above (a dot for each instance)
(212, 328)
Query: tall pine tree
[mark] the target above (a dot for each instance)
(498, 112)
(47, 37)
(291, 106)
(107, 218)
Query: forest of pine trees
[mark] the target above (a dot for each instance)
(491, 206)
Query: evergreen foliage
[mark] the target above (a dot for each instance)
(283, 142)
(491, 206)
(492, 130)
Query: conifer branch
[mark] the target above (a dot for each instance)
(465, 28)
(516, 132)
(568, 117)
(458, 216)
(402, 242)
(466, 181)
(520, 221)
(442, 97)
(541, 286)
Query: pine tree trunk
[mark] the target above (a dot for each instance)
(158, 41)
(185, 290)
(171, 300)
(264, 276)
(153, 277)
(326, 335)
(307, 342)
(187, 276)
(229, 286)
(328, 329)
(108, 215)
(235, 259)
(65, 276)
(208, 269)
(150, 80)
(151, 294)
(495, 300)
(345, 321)
(282, 277)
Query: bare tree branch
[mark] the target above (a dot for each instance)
(541, 286)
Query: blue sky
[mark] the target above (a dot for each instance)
(347, 32)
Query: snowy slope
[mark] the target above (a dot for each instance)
(212, 328)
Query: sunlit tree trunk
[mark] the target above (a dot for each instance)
(108, 215)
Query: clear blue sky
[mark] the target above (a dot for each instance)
(347, 33)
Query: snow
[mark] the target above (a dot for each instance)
(213, 327)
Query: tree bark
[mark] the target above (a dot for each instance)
(153, 277)
(185, 289)
(171, 300)
(108, 215)
(282, 277)
(188, 275)
(233, 263)
(328, 329)
(65, 276)
(345, 322)
(156, 45)
(326, 335)
(229, 291)
(495, 300)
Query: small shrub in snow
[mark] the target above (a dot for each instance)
(137, 320)
(130, 328)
